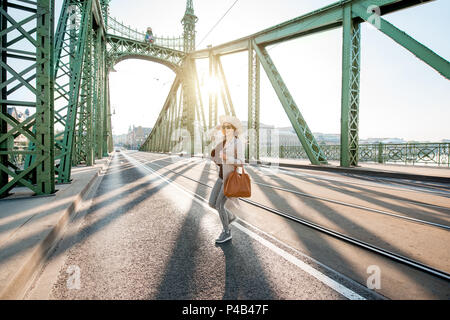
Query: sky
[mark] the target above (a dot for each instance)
(400, 96)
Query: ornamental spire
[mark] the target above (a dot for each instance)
(188, 23)
(189, 7)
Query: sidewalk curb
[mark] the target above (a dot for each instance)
(19, 282)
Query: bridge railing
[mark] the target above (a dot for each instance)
(435, 154)
(120, 29)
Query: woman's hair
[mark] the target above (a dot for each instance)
(234, 128)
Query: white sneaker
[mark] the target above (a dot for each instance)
(224, 237)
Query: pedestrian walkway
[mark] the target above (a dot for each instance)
(31, 225)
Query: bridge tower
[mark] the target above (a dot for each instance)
(188, 85)
(189, 20)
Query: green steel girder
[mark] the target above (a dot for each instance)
(351, 60)
(200, 109)
(201, 126)
(80, 85)
(148, 145)
(419, 50)
(326, 18)
(120, 48)
(212, 96)
(84, 142)
(307, 139)
(105, 10)
(23, 52)
(349, 14)
(224, 91)
(254, 80)
(98, 95)
(179, 121)
(107, 130)
(189, 103)
(218, 87)
(170, 120)
(71, 43)
(109, 147)
(351, 70)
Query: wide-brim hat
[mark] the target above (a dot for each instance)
(235, 122)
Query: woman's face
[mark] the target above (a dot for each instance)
(227, 129)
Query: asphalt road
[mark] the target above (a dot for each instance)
(140, 237)
(373, 210)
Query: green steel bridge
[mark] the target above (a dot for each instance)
(61, 69)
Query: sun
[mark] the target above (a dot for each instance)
(212, 85)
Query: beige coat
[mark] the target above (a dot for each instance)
(230, 152)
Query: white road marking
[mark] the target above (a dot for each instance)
(346, 292)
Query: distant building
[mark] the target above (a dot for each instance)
(120, 140)
(135, 137)
(288, 137)
(381, 140)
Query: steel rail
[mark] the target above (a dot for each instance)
(386, 253)
(414, 220)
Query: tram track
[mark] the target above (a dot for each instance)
(418, 187)
(384, 182)
(348, 239)
(356, 206)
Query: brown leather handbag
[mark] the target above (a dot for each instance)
(237, 185)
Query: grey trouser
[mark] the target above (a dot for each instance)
(217, 201)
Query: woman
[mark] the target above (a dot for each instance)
(227, 155)
(149, 35)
